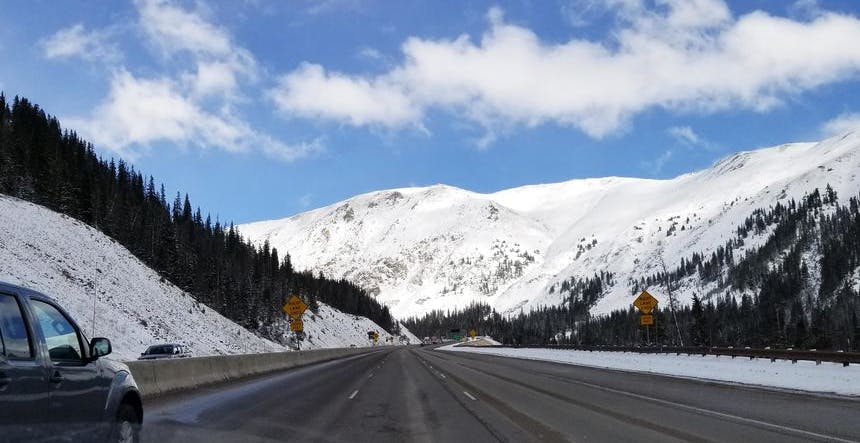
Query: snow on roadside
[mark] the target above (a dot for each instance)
(802, 376)
(330, 328)
(479, 341)
(413, 339)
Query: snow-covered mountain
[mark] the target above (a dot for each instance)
(111, 293)
(441, 247)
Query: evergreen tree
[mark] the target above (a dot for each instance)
(42, 164)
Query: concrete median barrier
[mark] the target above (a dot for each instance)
(158, 377)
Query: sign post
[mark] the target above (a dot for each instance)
(373, 335)
(295, 308)
(646, 303)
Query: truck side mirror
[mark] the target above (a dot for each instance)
(99, 347)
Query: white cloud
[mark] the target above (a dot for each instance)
(174, 29)
(684, 134)
(212, 78)
(309, 91)
(682, 56)
(369, 53)
(139, 112)
(805, 9)
(580, 13)
(655, 166)
(218, 61)
(278, 150)
(187, 107)
(843, 123)
(77, 41)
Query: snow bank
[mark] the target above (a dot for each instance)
(803, 376)
(479, 341)
(413, 339)
(330, 328)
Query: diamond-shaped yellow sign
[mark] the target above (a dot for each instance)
(645, 302)
(295, 307)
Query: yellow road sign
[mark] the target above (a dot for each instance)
(646, 320)
(375, 336)
(297, 325)
(472, 333)
(295, 307)
(645, 302)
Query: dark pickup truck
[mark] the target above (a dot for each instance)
(53, 383)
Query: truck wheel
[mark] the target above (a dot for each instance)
(127, 426)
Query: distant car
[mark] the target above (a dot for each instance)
(169, 350)
(53, 382)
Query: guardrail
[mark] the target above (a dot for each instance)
(846, 358)
(158, 377)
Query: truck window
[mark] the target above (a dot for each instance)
(64, 345)
(14, 340)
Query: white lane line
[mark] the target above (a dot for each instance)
(442, 375)
(351, 396)
(711, 412)
(371, 375)
(469, 395)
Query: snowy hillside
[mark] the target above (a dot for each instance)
(441, 247)
(330, 328)
(134, 307)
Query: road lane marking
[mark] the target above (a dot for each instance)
(732, 417)
(702, 411)
(469, 395)
(371, 375)
(442, 375)
(705, 411)
(353, 394)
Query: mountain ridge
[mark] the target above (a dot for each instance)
(441, 247)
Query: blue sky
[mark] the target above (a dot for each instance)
(264, 109)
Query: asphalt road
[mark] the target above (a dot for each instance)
(419, 394)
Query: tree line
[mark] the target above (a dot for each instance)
(43, 164)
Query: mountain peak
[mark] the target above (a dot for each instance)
(442, 247)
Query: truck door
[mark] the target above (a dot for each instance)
(23, 387)
(77, 391)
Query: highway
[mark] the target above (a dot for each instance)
(421, 394)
